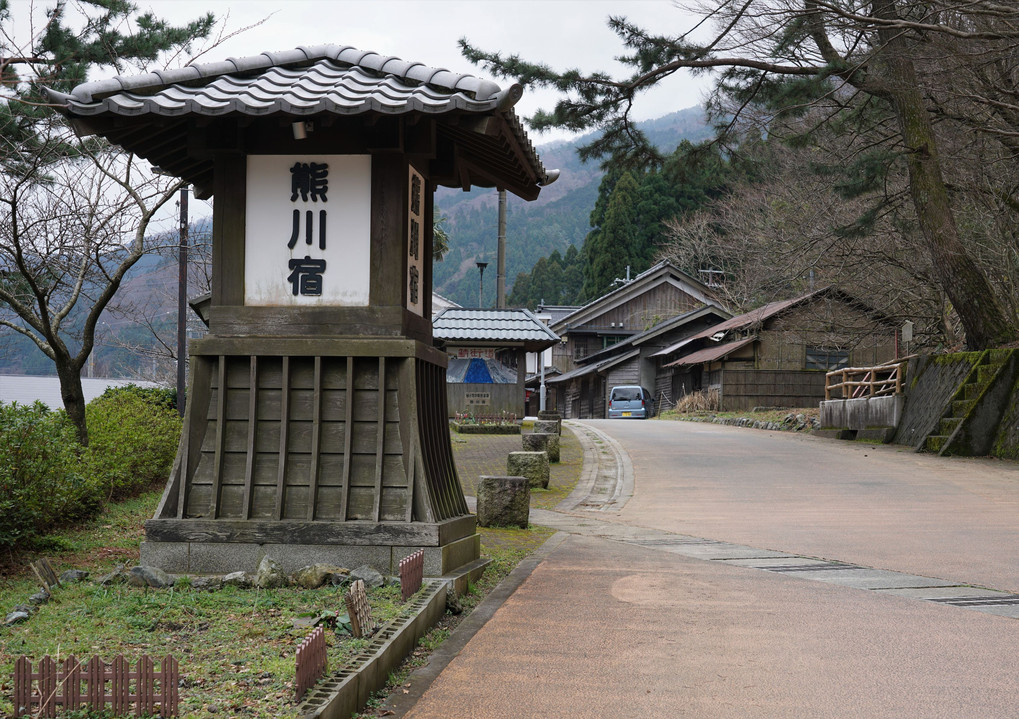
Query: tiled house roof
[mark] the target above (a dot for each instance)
(494, 327)
(301, 84)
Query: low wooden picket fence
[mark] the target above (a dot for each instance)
(312, 662)
(73, 685)
(412, 571)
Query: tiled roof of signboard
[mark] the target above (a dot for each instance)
(493, 326)
(304, 82)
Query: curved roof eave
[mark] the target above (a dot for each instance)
(304, 82)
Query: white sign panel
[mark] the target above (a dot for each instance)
(308, 236)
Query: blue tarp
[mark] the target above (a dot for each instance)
(479, 371)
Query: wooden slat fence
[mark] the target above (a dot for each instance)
(73, 685)
(412, 571)
(856, 382)
(312, 662)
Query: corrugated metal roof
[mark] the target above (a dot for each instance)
(759, 315)
(596, 367)
(672, 348)
(710, 354)
(303, 83)
(514, 326)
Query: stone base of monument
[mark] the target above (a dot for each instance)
(198, 546)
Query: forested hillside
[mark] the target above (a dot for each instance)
(558, 219)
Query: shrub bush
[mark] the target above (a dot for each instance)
(132, 439)
(40, 480)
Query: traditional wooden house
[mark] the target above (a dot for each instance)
(777, 355)
(611, 341)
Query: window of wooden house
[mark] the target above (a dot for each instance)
(826, 358)
(609, 340)
(579, 348)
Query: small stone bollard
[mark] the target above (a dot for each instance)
(503, 501)
(534, 441)
(542, 442)
(552, 450)
(552, 416)
(532, 465)
(546, 426)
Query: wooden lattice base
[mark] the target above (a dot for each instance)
(345, 444)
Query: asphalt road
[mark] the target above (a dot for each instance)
(607, 628)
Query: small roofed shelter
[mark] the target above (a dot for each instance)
(316, 425)
(487, 352)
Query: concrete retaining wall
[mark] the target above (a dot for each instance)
(862, 413)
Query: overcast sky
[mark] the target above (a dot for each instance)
(561, 33)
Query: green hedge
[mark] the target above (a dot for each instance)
(132, 440)
(48, 481)
(41, 481)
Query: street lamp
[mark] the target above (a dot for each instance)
(481, 279)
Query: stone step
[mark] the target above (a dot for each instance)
(972, 390)
(948, 425)
(986, 372)
(961, 407)
(934, 443)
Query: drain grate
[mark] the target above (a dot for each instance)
(675, 542)
(1002, 601)
(808, 567)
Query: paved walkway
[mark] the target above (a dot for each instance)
(621, 615)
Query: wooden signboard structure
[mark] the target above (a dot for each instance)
(316, 427)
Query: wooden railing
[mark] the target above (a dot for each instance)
(856, 382)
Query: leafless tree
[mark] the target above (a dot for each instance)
(881, 67)
(70, 229)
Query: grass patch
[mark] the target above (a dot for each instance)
(236, 647)
(776, 415)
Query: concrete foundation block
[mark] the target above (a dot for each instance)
(447, 558)
(503, 501)
(172, 557)
(532, 465)
(294, 556)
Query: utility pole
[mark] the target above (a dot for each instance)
(500, 278)
(182, 303)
